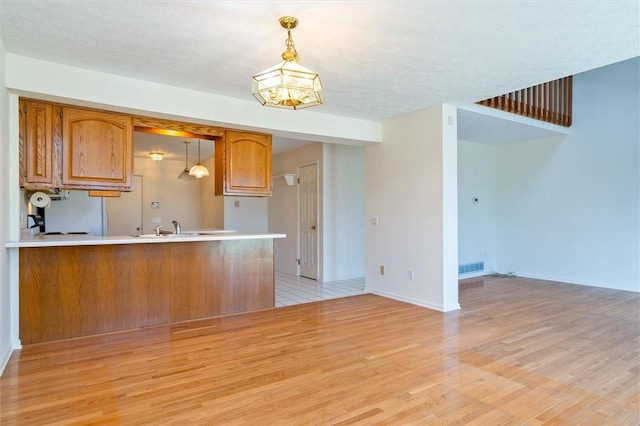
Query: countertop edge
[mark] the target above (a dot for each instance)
(64, 240)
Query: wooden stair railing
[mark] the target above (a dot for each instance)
(550, 102)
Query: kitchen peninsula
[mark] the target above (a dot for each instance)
(80, 285)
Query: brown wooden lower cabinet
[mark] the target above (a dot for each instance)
(74, 291)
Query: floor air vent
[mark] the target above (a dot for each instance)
(470, 267)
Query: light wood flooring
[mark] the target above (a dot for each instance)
(520, 351)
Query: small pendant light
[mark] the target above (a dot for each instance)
(199, 171)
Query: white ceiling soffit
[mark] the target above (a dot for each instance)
(376, 59)
(493, 127)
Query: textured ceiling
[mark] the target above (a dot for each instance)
(376, 59)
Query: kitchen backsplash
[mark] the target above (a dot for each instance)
(78, 213)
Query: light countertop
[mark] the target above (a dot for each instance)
(91, 240)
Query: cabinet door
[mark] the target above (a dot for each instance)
(97, 149)
(243, 164)
(37, 144)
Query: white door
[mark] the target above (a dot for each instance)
(308, 220)
(124, 213)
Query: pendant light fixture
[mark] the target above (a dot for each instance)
(199, 171)
(184, 175)
(288, 85)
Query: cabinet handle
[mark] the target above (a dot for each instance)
(313, 227)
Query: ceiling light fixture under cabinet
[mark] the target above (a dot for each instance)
(156, 156)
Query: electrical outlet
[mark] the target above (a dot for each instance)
(381, 269)
(236, 203)
(412, 276)
(156, 220)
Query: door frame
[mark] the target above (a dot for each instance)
(137, 189)
(318, 220)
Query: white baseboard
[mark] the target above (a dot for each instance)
(569, 281)
(4, 359)
(474, 274)
(418, 302)
(287, 271)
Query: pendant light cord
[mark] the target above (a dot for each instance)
(186, 155)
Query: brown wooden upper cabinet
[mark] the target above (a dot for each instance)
(39, 144)
(65, 147)
(97, 149)
(68, 147)
(243, 164)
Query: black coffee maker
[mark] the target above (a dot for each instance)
(35, 222)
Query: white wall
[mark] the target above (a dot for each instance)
(246, 214)
(343, 212)
(568, 210)
(283, 205)
(51, 81)
(411, 187)
(340, 209)
(211, 207)
(6, 159)
(78, 212)
(477, 221)
(189, 201)
(179, 199)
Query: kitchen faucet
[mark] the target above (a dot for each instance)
(177, 226)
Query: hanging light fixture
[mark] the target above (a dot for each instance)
(199, 171)
(156, 156)
(288, 85)
(184, 175)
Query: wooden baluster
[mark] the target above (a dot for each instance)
(561, 100)
(565, 99)
(518, 102)
(550, 101)
(558, 100)
(557, 97)
(569, 101)
(554, 91)
(546, 102)
(538, 96)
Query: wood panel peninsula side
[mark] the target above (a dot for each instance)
(100, 286)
